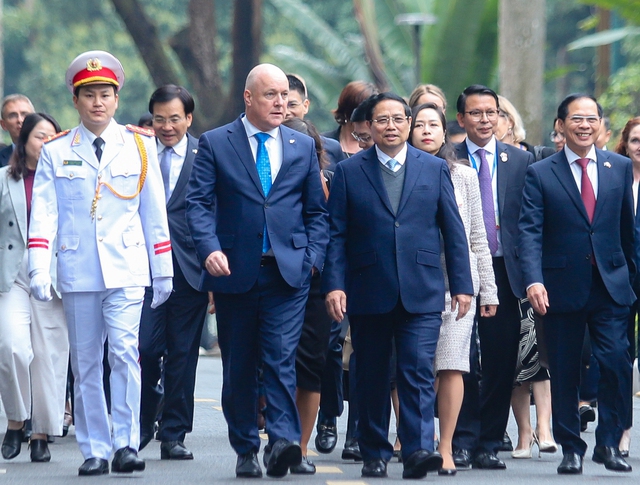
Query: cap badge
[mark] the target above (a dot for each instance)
(94, 64)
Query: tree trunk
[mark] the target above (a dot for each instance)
(522, 32)
(145, 36)
(364, 11)
(247, 47)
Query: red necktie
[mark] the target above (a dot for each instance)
(586, 189)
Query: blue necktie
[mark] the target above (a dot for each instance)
(165, 170)
(391, 163)
(263, 165)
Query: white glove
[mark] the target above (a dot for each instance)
(162, 287)
(41, 285)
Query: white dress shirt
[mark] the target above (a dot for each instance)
(401, 157)
(576, 169)
(177, 161)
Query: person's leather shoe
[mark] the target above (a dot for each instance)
(326, 437)
(351, 450)
(587, 415)
(306, 467)
(375, 468)
(126, 460)
(284, 455)
(571, 464)
(247, 466)
(94, 466)
(462, 459)
(506, 444)
(174, 450)
(11, 444)
(39, 451)
(611, 458)
(488, 461)
(420, 462)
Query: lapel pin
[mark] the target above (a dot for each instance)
(607, 164)
(195, 150)
(504, 157)
(292, 141)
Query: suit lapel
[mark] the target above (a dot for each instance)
(502, 172)
(563, 172)
(240, 143)
(183, 179)
(604, 181)
(413, 167)
(112, 148)
(289, 152)
(371, 170)
(19, 201)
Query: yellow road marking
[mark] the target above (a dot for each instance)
(311, 453)
(202, 399)
(346, 482)
(328, 469)
(217, 408)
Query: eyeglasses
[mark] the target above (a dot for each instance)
(555, 136)
(174, 120)
(577, 119)
(361, 138)
(477, 115)
(397, 120)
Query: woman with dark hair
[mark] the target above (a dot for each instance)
(314, 340)
(34, 347)
(629, 146)
(428, 133)
(351, 96)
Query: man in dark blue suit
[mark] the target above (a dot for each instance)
(15, 107)
(256, 210)
(389, 205)
(175, 326)
(577, 253)
(501, 171)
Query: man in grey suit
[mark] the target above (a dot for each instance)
(175, 326)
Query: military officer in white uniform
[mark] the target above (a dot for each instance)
(98, 188)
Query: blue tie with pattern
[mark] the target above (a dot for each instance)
(263, 165)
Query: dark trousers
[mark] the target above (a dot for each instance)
(416, 337)
(262, 325)
(607, 323)
(174, 327)
(331, 395)
(499, 339)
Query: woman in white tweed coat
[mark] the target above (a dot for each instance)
(452, 354)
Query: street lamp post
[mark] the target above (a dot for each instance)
(416, 20)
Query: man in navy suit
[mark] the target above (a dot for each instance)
(175, 326)
(15, 107)
(577, 253)
(256, 210)
(485, 409)
(389, 205)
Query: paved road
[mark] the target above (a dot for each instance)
(215, 461)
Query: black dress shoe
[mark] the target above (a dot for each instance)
(39, 451)
(375, 468)
(420, 462)
(284, 455)
(11, 443)
(327, 437)
(488, 461)
(447, 472)
(126, 460)
(611, 458)
(462, 459)
(94, 466)
(306, 467)
(571, 464)
(174, 450)
(587, 415)
(351, 450)
(247, 466)
(506, 444)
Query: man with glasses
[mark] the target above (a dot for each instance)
(175, 326)
(389, 206)
(15, 108)
(501, 171)
(576, 249)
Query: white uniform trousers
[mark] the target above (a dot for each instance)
(92, 317)
(34, 356)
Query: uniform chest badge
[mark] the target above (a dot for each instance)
(76, 163)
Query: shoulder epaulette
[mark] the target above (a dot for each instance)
(57, 135)
(140, 130)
